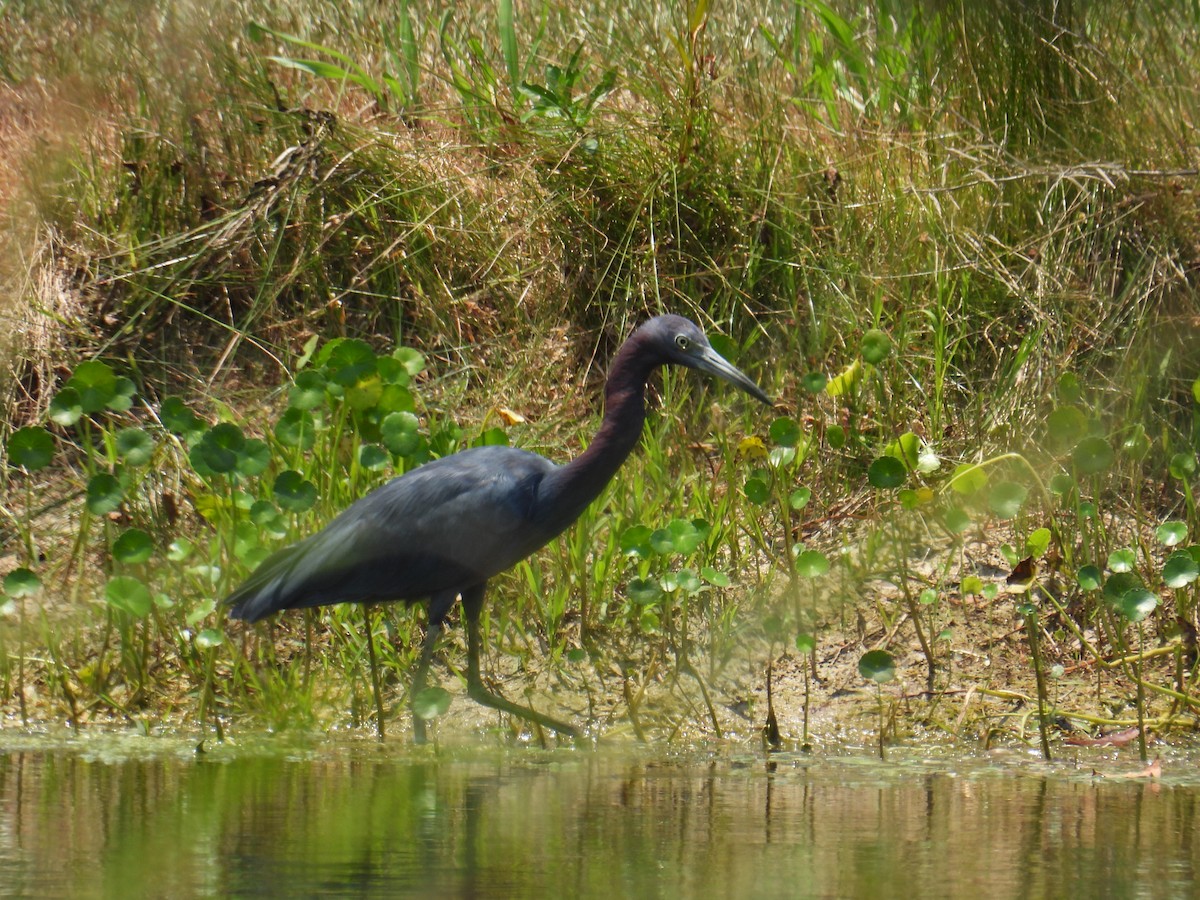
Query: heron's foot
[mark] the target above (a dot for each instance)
(484, 697)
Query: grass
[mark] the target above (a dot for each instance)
(942, 237)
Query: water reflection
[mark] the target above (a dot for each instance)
(338, 820)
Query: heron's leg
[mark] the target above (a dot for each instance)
(439, 605)
(472, 606)
(375, 688)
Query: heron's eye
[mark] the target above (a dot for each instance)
(681, 342)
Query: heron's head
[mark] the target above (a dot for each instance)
(682, 343)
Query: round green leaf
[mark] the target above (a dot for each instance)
(1119, 584)
(95, 383)
(1065, 427)
(373, 457)
(798, 499)
(1180, 569)
(1136, 443)
(1137, 604)
(176, 417)
(431, 703)
(644, 591)
(1006, 498)
(66, 408)
(968, 478)
(876, 346)
(814, 382)
(294, 492)
(756, 491)
(811, 563)
(124, 592)
(635, 541)
(221, 447)
(308, 390)
(209, 638)
(134, 546)
(806, 643)
(1061, 484)
(715, 578)
(399, 433)
(412, 360)
(877, 666)
(1092, 455)
(296, 428)
(180, 549)
(785, 432)
(1122, 560)
(956, 520)
(134, 445)
(104, 494)
(835, 435)
(1183, 466)
(1171, 533)
(1089, 578)
(886, 472)
(254, 458)
(21, 582)
(30, 448)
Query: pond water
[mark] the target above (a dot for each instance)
(142, 817)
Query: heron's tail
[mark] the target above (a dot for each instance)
(266, 591)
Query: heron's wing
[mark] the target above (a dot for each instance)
(446, 525)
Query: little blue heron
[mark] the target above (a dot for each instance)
(442, 530)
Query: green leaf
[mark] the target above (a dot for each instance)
(968, 478)
(431, 703)
(785, 432)
(877, 666)
(1171, 533)
(835, 436)
(210, 638)
(1122, 560)
(1180, 569)
(294, 492)
(814, 382)
(134, 445)
(399, 433)
(806, 643)
(178, 418)
(104, 494)
(811, 564)
(876, 346)
(254, 458)
(180, 549)
(66, 408)
(1092, 455)
(1089, 577)
(129, 594)
(221, 447)
(372, 457)
(1182, 466)
(799, 498)
(21, 582)
(413, 361)
(886, 472)
(96, 384)
(635, 541)
(296, 428)
(956, 520)
(971, 584)
(644, 591)
(31, 448)
(134, 546)
(1137, 604)
(1006, 498)
(756, 491)
(715, 578)
(308, 390)
(1038, 542)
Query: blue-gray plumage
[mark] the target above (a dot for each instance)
(443, 529)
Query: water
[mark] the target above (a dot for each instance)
(149, 817)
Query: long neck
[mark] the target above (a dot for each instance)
(566, 492)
